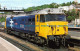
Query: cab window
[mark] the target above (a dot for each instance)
(42, 18)
(37, 18)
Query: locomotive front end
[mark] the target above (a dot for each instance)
(53, 27)
(58, 33)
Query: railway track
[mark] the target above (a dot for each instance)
(76, 42)
(21, 46)
(76, 45)
(19, 43)
(27, 46)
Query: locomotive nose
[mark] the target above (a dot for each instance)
(59, 30)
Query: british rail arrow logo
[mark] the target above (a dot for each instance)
(11, 23)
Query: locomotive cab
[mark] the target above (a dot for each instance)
(51, 26)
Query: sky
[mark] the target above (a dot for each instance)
(28, 3)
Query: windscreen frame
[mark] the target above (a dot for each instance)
(51, 20)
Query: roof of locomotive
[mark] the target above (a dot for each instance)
(44, 11)
(49, 11)
(21, 16)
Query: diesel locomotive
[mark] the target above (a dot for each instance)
(40, 28)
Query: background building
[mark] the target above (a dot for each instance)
(67, 8)
(76, 1)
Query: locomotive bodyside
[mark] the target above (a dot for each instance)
(24, 24)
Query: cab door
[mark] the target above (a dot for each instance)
(37, 23)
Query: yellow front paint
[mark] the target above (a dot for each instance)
(44, 28)
(37, 26)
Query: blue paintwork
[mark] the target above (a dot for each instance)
(22, 24)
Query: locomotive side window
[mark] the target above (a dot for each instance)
(42, 18)
(29, 19)
(37, 18)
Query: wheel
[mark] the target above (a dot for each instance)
(71, 45)
(51, 44)
(8, 32)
